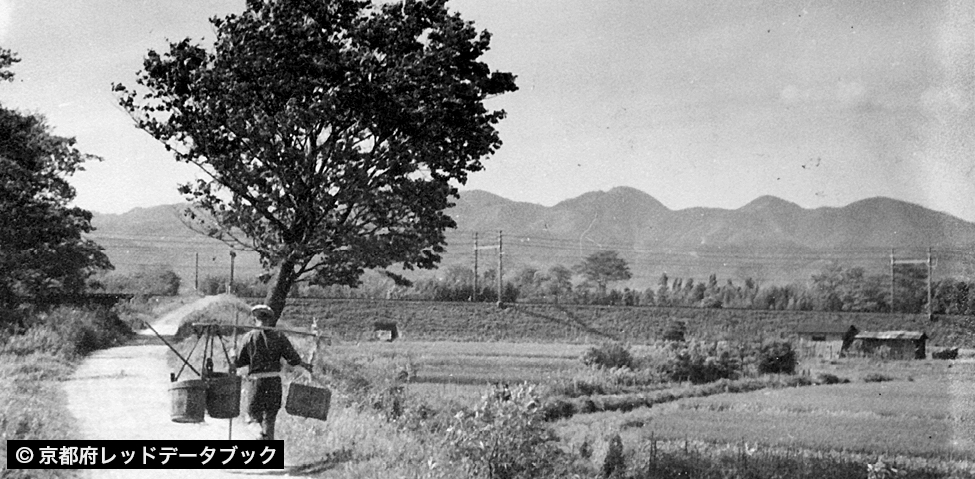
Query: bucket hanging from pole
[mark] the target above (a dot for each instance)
(188, 400)
(223, 395)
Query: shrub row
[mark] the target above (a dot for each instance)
(702, 362)
(67, 333)
(561, 408)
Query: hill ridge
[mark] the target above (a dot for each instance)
(769, 238)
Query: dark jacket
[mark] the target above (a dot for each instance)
(262, 351)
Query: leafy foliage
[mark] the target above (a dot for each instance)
(42, 251)
(158, 280)
(504, 436)
(603, 267)
(334, 131)
(850, 289)
(68, 333)
(702, 363)
(608, 355)
(676, 331)
(777, 357)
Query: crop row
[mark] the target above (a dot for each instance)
(354, 320)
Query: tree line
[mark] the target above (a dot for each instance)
(833, 288)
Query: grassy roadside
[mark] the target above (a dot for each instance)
(33, 405)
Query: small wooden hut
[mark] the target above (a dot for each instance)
(385, 330)
(892, 344)
(827, 341)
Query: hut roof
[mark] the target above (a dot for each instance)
(913, 335)
(823, 328)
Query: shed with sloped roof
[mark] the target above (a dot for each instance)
(891, 344)
(824, 340)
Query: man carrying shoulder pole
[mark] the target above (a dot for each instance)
(262, 350)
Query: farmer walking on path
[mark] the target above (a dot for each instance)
(262, 351)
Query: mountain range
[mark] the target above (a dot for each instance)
(769, 239)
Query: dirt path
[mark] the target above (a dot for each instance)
(123, 393)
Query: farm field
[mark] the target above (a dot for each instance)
(470, 363)
(929, 417)
(921, 414)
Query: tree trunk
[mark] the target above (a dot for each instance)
(278, 294)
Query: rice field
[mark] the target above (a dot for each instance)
(471, 363)
(928, 417)
(926, 412)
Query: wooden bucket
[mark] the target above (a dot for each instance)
(223, 395)
(308, 401)
(188, 400)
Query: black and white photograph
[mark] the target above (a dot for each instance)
(487, 239)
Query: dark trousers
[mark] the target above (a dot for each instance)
(264, 401)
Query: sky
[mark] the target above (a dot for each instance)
(704, 103)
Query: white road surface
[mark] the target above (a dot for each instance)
(123, 393)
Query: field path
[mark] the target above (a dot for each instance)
(123, 393)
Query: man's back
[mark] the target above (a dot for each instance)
(262, 351)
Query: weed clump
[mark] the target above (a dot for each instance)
(608, 355)
(505, 438)
(827, 378)
(946, 354)
(777, 357)
(68, 333)
(877, 378)
(701, 363)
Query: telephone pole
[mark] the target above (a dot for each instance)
(230, 285)
(929, 283)
(894, 262)
(474, 294)
(892, 280)
(500, 270)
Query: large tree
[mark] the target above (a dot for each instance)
(334, 133)
(603, 267)
(42, 251)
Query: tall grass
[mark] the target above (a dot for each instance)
(32, 403)
(68, 333)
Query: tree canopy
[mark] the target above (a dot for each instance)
(603, 267)
(333, 133)
(42, 251)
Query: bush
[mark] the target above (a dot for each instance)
(777, 357)
(702, 363)
(947, 354)
(608, 355)
(877, 378)
(69, 333)
(157, 280)
(676, 331)
(826, 378)
(505, 438)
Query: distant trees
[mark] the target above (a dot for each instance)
(152, 280)
(603, 267)
(42, 251)
(910, 288)
(849, 289)
(952, 296)
(833, 288)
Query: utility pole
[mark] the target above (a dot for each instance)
(909, 261)
(474, 294)
(196, 276)
(892, 280)
(929, 283)
(230, 285)
(500, 270)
